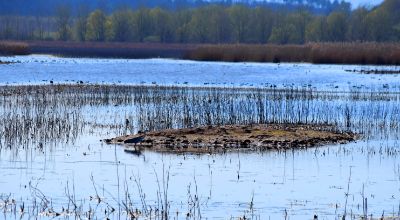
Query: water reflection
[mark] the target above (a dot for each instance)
(300, 182)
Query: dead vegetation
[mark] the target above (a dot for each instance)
(13, 48)
(319, 53)
(59, 113)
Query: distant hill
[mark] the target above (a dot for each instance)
(48, 7)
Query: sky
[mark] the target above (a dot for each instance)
(356, 3)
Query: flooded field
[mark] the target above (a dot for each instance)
(54, 112)
(179, 72)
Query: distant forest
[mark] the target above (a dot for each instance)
(48, 7)
(183, 21)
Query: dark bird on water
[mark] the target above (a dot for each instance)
(134, 140)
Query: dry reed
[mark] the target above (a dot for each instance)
(14, 48)
(319, 53)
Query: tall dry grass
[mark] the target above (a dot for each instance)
(322, 53)
(254, 53)
(14, 48)
(356, 53)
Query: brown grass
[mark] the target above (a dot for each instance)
(356, 53)
(326, 53)
(321, 53)
(14, 48)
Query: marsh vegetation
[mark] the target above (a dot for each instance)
(56, 166)
(59, 113)
(294, 75)
(14, 48)
(326, 53)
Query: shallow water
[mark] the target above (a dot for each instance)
(42, 69)
(296, 184)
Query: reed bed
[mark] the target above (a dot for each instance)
(14, 48)
(37, 115)
(319, 53)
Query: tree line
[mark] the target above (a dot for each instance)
(210, 24)
(47, 7)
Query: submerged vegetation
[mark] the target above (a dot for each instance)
(40, 118)
(59, 113)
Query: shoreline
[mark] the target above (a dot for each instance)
(221, 139)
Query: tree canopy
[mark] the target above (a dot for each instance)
(210, 23)
(48, 7)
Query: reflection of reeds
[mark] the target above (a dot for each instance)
(38, 115)
(102, 203)
(14, 48)
(343, 53)
(110, 49)
(136, 205)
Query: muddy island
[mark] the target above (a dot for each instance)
(218, 139)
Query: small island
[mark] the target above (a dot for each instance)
(219, 139)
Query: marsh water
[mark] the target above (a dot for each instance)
(54, 112)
